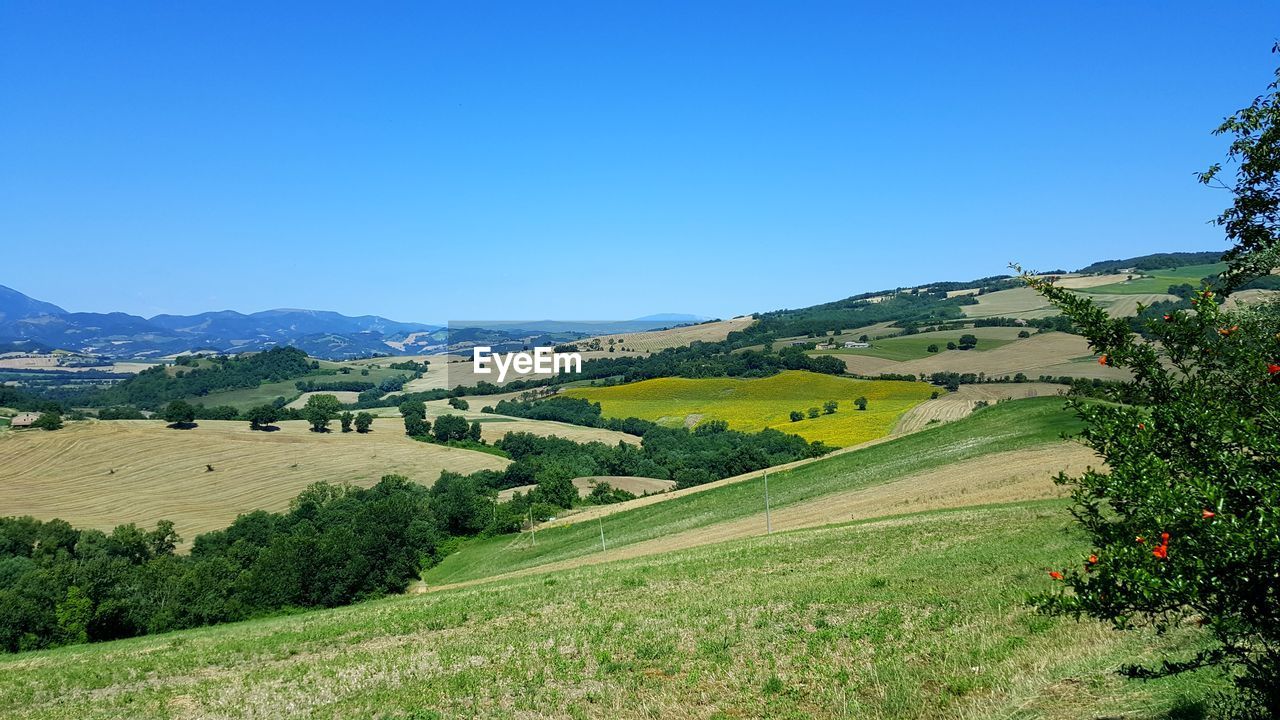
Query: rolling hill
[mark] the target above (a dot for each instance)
(914, 609)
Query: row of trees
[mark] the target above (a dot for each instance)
(828, 408)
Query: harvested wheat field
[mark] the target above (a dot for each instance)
(1081, 282)
(636, 485)
(957, 405)
(1015, 303)
(675, 337)
(1051, 353)
(1126, 305)
(494, 427)
(103, 473)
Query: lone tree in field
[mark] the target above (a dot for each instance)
(1185, 520)
(861, 403)
(179, 415)
(830, 406)
(345, 420)
(796, 416)
(320, 411)
(262, 416)
(363, 422)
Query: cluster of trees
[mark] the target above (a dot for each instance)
(828, 408)
(335, 386)
(62, 585)
(1156, 261)
(152, 388)
(387, 385)
(447, 428)
(690, 457)
(414, 413)
(414, 366)
(454, 428)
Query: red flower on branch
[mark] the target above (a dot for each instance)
(1208, 514)
(1273, 368)
(1093, 559)
(1162, 550)
(1055, 574)
(1102, 360)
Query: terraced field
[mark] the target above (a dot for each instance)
(755, 404)
(104, 473)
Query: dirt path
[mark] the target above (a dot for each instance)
(1011, 476)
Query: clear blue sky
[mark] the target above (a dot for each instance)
(433, 161)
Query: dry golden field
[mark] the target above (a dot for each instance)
(647, 342)
(1051, 353)
(958, 404)
(1082, 282)
(637, 485)
(24, 361)
(1025, 303)
(104, 473)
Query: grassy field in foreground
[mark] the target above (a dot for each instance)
(1008, 426)
(1158, 281)
(917, 617)
(758, 403)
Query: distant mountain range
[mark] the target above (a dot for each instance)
(34, 325)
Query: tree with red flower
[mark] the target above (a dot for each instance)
(1210, 477)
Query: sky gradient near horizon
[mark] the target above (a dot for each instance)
(579, 160)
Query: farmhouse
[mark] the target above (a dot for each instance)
(24, 419)
(853, 345)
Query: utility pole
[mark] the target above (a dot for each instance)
(768, 522)
(601, 521)
(532, 533)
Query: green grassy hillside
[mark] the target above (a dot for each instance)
(1008, 426)
(916, 617)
